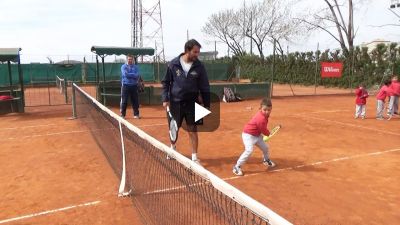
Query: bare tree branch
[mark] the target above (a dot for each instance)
(320, 27)
(385, 25)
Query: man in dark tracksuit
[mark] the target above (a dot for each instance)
(129, 87)
(184, 83)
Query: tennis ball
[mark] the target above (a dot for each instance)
(265, 138)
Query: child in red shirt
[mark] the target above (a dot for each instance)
(380, 99)
(394, 97)
(253, 135)
(361, 101)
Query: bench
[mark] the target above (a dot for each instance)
(11, 102)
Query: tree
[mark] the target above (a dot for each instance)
(225, 26)
(335, 15)
(261, 22)
(270, 21)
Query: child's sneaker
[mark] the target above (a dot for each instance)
(237, 171)
(269, 163)
(355, 117)
(363, 117)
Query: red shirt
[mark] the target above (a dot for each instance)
(361, 96)
(257, 125)
(395, 88)
(383, 92)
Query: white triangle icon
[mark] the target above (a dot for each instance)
(200, 112)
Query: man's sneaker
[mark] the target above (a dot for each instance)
(269, 163)
(136, 117)
(123, 116)
(197, 161)
(237, 171)
(173, 147)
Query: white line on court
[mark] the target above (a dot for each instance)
(280, 170)
(57, 133)
(277, 170)
(43, 125)
(48, 212)
(349, 124)
(33, 126)
(327, 111)
(319, 163)
(149, 125)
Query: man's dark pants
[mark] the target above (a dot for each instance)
(132, 93)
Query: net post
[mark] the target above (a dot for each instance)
(74, 116)
(121, 190)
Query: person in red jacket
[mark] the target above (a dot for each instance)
(361, 101)
(394, 97)
(252, 135)
(380, 99)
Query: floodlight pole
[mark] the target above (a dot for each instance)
(316, 69)
(10, 77)
(394, 4)
(391, 10)
(104, 79)
(273, 71)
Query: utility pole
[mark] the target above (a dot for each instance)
(251, 32)
(146, 26)
(394, 4)
(273, 71)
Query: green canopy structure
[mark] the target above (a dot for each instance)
(104, 51)
(12, 55)
(109, 50)
(9, 54)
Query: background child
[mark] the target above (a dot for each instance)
(394, 97)
(361, 101)
(253, 135)
(380, 99)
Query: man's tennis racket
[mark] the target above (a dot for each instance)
(173, 127)
(272, 133)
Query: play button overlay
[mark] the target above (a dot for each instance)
(200, 112)
(206, 119)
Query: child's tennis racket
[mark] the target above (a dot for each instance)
(272, 133)
(173, 127)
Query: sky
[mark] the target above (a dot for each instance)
(66, 29)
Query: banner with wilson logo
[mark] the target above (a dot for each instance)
(330, 69)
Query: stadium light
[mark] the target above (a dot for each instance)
(394, 4)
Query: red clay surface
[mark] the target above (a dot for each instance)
(332, 168)
(48, 163)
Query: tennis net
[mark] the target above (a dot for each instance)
(165, 191)
(61, 84)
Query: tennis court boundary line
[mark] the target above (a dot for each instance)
(349, 124)
(49, 212)
(57, 133)
(325, 111)
(318, 163)
(23, 127)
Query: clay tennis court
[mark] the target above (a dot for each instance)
(332, 168)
